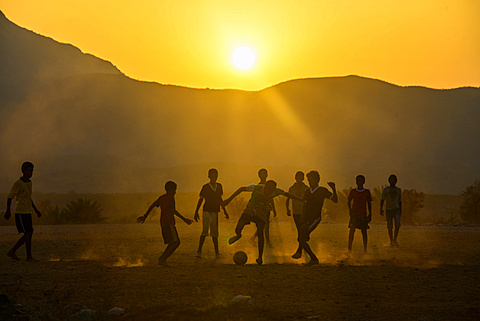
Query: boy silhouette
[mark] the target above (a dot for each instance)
(212, 194)
(166, 202)
(22, 192)
(362, 199)
(392, 195)
(312, 213)
(298, 189)
(256, 210)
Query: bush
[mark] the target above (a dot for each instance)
(469, 210)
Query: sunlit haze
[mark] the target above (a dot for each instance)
(431, 43)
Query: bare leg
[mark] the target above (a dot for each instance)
(313, 257)
(168, 252)
(261, 244)
(397, 230)
(351, 235)
(28, 244)
(267, 231)
(215, 245)
(200, 244)
(365, 240)
(390, 234)
(14, 249)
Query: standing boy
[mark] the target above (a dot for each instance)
(166, 202)
(212, 194)
(312, 213)
(22, 191)
(256, 210)
(393, 197)
(362, 199)
(298, 189)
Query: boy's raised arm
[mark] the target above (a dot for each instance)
(238, 191)
(142, 218)
(334, 191)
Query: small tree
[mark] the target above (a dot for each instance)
(83, 211)
(54, 215)
(470, 208)
(412, 202)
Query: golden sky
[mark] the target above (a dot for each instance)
(433, 43)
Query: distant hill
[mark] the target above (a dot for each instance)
(89, 128)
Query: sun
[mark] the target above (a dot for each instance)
(243, 58)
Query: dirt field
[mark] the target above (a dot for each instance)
(433, 275)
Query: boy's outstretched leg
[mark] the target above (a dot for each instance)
(313, 257)
(200, 246)
(168, 252)
(12, 253)
(238, 229)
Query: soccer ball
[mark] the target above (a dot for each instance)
(240, 258)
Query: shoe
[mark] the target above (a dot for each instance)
(395, 244)
(297, 255)
(13, 256)
(31, 259)
(218, 256)
(233, 239)
(199, 255)
(269, 244)
(313, 262)
(259, 261)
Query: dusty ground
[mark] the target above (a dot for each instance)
(433, 275)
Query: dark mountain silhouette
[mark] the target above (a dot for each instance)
(128, 135)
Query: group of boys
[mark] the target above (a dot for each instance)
(307, 204)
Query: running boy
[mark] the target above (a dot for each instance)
(256, 210)
(212, 194)
(312, 213)
(392, 195)
(166, 202)
(22, 191)
(298, 189)
(362, 199)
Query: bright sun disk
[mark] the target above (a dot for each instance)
(243, 58)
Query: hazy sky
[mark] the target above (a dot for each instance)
(433, 43)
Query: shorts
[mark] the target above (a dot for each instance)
(249, 215)
(393, 215)
(210, 221)
(169, 233)
(306, 229)
(359, 222)
(24, 222)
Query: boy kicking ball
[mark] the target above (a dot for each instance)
(166, 202)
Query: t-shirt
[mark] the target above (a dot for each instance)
(166, 202)
(392, 196)
(312, 208)
(299, 191)
(360, 199)
(22, 192)
(212, 197)
(259, 199)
